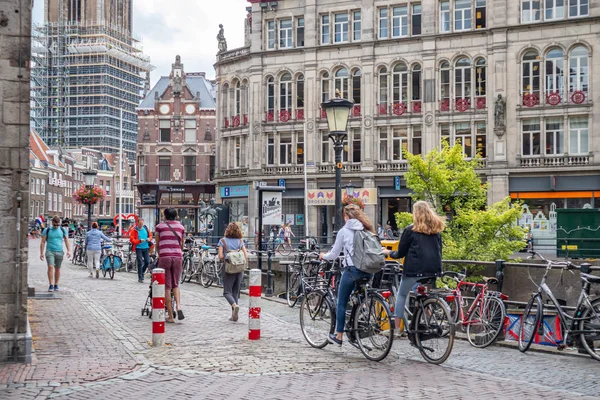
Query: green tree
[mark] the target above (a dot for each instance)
(452, 185)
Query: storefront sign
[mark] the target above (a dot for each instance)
(171, 189)
(326, 197)
(234, 191)
(271, 208)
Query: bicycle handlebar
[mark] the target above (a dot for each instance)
(457, 276)
(568, 265)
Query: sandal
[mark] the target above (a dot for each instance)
(169, 322)
(180, 315)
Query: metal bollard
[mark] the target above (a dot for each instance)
(158, 307)
(255, 278)
(269, 292)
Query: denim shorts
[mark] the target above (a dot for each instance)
(54, 258)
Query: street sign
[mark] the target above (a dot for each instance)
(281, 182)
(227, 191)
(397, 184)
(258, 184)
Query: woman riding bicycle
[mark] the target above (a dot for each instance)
(421, 245)
(356, 220)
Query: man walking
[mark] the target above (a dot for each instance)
(140, 238)
(54, 236)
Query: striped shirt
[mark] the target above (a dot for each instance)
(169, 245)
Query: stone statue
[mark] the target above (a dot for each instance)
(499, 112)
(221, 39)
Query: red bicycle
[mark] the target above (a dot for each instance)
(483, 318)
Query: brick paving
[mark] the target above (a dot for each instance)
(93, 343)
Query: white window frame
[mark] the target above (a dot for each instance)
(325, 148)
(383, 22)
(531, 76)
(578, 133)
(466, 16)
(445, 16)
(285, 94)
(356, 25)
(400, 86)
(237, 156)
(384, 148)
(325, 29)
(531, 135)
(270, 149)
(286, 34)
(528, 16)
(465, 84)
(341, 28)
(286, 155)
(400, 140)
(300, 27)
(553, 80)
(468, 136)
(271, 35)
(189, 130)
(558, 137)
(578, 5)
(342, 83)
(399, 21)
(555, 11)
(580, 80)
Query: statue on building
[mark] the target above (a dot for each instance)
(177, 75)
(499, 116)
(221, 39)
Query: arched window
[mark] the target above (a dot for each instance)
(285, 92)
(416, 83)
(324, 87)
(341, 83)
(383, 90)
(356, 93)
(462, 79)
(554, 72)
(578, 70)
(300, 97)
(480, 78)
(445, 85)
(400, 84)
(270, 98)
(531, 74)
(238, 98)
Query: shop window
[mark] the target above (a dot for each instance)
(189, 168)
(531, 137)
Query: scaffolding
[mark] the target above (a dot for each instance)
(82, 75)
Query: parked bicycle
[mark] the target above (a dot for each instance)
(302, 272)
(79, 256)
(483, 318)
(110, 261)
(211, 271)
(582, 327)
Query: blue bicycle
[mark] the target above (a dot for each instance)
(109, 261)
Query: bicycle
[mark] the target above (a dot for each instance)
(131, 260)
(192, 258)
(109, 261)
(585, 322)
(302, 268)
(78, 251)
(368, 328)
(484, 317)
(211, 272)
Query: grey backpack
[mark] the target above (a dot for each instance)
(368, 255)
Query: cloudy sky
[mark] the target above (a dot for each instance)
(185, 27)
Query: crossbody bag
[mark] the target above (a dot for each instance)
(236, 260)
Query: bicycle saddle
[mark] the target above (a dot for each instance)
(590, 278)
(315, 262)
(489, 280)
(361, 282)
(205, 247)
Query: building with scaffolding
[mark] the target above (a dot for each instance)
(88, 75)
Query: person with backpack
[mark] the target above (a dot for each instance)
(54, 236)
(363, 256)
(93, 248)
(233, 252)
(140, 238)
(421, 247)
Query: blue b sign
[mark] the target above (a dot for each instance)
(226, 191)
(397, 185)
(282, 182)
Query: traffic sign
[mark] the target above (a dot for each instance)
(282, 182)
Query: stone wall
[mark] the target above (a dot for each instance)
(15, 42)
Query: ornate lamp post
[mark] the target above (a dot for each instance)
(350, 189)
(89, 176)
(338, 112)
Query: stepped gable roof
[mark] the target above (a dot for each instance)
(193, 83)
(40, 150)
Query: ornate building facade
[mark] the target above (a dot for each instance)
(175, 149)
(510, 80)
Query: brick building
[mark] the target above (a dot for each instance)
(175, 149)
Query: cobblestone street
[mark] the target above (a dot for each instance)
(92, 342)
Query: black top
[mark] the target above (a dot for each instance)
(423, 253)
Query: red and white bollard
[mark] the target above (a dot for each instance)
(255, 277)
(158, 307)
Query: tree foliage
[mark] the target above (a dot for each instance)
(452, 185)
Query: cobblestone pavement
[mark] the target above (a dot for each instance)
(92, 342)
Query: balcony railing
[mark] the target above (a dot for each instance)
(126, 193)
(463, 104)
(283, 170)
(233, 172)
(391, 166)
(554, 98)
(398, 109)
(555, 161)
(330, 168)
(285, 115)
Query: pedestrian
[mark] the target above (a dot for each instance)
(355, 220)
(93, 248)
(380, 232)
(232, 282)
(421, 247)
(54, 236)
(140, 238)
(389, 234)
(287, 234)
(169, 243)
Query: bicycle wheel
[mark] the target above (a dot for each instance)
(284, 250)
(205, 278)
(591, 341)
(434, 333)
(532, 317)
(111, 272)
(317, 319)
(486, 322)
(293, 290)
(186, 270)
(374, 327)
(75, 259)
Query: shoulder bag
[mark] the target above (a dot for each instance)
(236, 260)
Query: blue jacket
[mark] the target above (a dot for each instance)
(93, 239)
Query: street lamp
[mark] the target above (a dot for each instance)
(337, 111)
(350, 189)
(89, 177)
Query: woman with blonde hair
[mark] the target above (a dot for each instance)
(421, 247)
(356, 220)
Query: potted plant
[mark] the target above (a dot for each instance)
(89, 195)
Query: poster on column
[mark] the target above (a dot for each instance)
(271, 208)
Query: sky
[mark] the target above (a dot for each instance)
(185, 27)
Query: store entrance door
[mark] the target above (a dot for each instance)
(393, 205)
